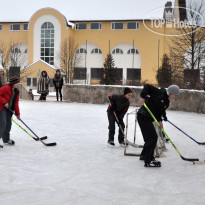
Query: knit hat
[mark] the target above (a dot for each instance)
(127, 90)
(173, 90)
(13, 80)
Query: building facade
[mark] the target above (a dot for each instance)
(37, 46)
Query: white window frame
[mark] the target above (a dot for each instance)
(99, 23)
(115, 51)
(49, 27)
(94, 49)
(117, 29)
(137, 26)
(31, 86)
(11, 27)
(81, 50)
(130, 51)
(77, 27)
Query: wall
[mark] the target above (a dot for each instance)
(188, 100)
(23, 93)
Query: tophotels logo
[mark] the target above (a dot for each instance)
(171, 25)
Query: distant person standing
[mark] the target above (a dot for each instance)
(2, 81)
(43, 85)
(58, 84)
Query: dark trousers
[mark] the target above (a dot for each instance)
(58, 90)
(111, 127)
(5, 124)
(43, 96)
(150, 137)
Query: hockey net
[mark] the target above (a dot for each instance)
(134, 139)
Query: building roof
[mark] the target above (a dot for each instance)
(42, 61)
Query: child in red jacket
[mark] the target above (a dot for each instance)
(9, 98)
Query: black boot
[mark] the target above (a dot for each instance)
(10, 142)
(110, 143)
(153, 163)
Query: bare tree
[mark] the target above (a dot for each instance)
(12, 56)
(5, 55)
(17, 57)
(68, 58)
(187, 52)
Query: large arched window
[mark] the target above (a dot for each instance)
(47, 42)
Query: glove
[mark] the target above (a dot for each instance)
(165, 118)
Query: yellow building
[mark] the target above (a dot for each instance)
(36, 45)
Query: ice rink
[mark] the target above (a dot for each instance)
(82, 170)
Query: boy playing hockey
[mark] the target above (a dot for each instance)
(119, 105)
(157, 100)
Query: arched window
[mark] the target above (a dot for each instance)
(16, 50)
(81, 50)
(96, 50)
(117, 51)
(47, 42)
(132, 51)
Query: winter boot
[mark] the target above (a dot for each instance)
(153, 163)
(141, 157)
(123, 144)
(111, 144)
(10, 142)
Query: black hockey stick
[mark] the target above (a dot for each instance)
(38, 138)
(199, 143)
(42, 138)
(194, 160)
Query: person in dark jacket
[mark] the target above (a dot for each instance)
(9, 98)
(157, 100)
(43, 85)
(58, 84)
(119, 105)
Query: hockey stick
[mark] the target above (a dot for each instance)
(38, 138)
(42, 138)
(140, 146)
(199, 143)
(194, 160)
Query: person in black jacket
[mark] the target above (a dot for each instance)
(157, 100)
(58, 83)
(119, 105)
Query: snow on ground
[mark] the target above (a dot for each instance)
(82, 170)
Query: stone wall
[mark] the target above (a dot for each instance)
(24, 93)
(188, 100)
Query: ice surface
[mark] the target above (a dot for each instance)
(82, 170)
